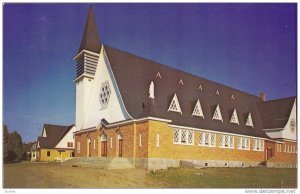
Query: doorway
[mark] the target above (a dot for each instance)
(120, 138)
(104, 145)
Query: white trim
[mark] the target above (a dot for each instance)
(114, 79)
(210, 135)
(85, 51)
(234, 118)
(140, 140)
(177, 105)
(219, 132)
(217, 113)
(158, 75)
(200, 87)
(157, 140)
(198, 105)
(83, 75)
(273, 129)
(180, 82)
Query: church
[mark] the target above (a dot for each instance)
(158, 117)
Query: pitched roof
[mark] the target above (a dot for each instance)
(275, 113)
(138, 104)
(90, 39)
(54, 134)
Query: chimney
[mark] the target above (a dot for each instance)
(262, 96)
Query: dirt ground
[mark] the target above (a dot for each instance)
(54, 175)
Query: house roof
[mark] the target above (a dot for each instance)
(134, 92)
(90, 39)
(275, 113)
(54, 134)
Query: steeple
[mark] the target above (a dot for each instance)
(90, 39)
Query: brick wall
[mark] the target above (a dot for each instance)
(282, 156)
(167, 149)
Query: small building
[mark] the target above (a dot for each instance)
(55, 144)
(33, 152)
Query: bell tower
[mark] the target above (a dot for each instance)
(86, 64)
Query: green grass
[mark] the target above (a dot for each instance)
(226, 178)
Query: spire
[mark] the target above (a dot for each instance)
(90, 39)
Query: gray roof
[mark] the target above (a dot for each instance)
(54, 134)
(90, 38)
(275, 113)
(33, 147)
(130, 70)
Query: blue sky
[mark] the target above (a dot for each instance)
(250, 47)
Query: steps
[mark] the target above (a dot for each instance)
(103, 162)
(119, 163)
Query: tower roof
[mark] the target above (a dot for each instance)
(90, 39)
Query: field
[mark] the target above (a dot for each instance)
(54, 175)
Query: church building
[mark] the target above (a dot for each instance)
(157, 116)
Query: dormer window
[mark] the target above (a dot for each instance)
(174, 106)
(44, 133)
(249, 121)
(217, 114)
(180, 82)
(158, 75)
(200, 87)
(234, 117)
(217, 92)
(232, 97)
(198, 110)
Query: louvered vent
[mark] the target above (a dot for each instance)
(86, 64)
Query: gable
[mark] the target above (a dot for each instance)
(66, 137)
(104, 99)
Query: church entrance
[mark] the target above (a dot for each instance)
(104, 145)
(269, 153)
(89, 145)
(120, 138)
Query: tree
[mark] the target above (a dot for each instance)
(5, 142)
(15, 146)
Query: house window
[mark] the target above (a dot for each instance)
(157, 140)
(190, 137)
(293, 125)
(234, 117)
(207, 139)
(249, 121)
(181, 136)
(217, 114)
(94, 144)
(226, 141)
(243, 143)
(258, 145)
(174, 106)
(198, 110)
(176, 136)
(140, 140)
(284, 149)
(78, 147)
(70, 144)
(48, 153)
(278, 147)
(104, 94)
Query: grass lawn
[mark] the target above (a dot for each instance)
(55, 175)
(226, 178)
